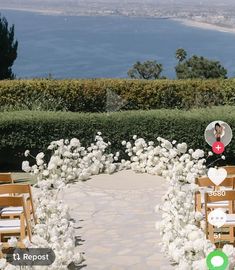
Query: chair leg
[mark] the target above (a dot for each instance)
(211, 233)
(22, 227)
(198, 203)
(30, 207)
(231, 234)
(2, 237)
(20, 244)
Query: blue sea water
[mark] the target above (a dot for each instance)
(92, 47)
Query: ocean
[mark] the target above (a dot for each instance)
(94, 47)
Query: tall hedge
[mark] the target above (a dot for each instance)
(34, 130)
(91, 95)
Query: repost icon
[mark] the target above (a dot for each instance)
(217, 260)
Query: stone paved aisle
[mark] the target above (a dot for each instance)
(116, 221)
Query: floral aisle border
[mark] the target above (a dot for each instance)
(181, 228)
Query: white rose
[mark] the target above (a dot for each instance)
(26, 153)
(40, 162)
(193, 235)
(45, 173)
(182, 147)
(198, 154)
(40, 155)
(25, 166)
(229, 250)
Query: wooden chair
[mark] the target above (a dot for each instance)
(230, 169)
(6, 178)
(230, 222)
(15, 227)
(205, 182)
(18, 189)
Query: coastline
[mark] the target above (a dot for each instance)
(204, 25)
(40, 11)
(186, 22)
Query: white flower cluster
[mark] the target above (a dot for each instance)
(183, 238)
(70, 161)
(161, 159)
(181, 228)
(55, 229)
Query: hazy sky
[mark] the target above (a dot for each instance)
(18, 2)
(76, 3)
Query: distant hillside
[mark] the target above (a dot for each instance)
(215, 12)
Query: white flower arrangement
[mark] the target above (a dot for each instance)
(69, 162)
(181, 228)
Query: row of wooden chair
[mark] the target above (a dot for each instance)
(212, 197)
(17, 213)
(6, 178)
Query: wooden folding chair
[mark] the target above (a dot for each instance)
(205, 182)
(6, 178)
(18, 189)
(15, 227)
(229, 195)
(230, 169)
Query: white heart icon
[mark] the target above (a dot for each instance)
(217, 176)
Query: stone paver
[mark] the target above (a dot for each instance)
(116, 221)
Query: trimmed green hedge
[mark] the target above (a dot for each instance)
(35, 130)
(91, 95)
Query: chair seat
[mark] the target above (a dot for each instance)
(218, 204)
(11, 210)
(7, 225)
(230, 220)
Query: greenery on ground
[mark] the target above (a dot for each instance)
(91, 95)
(34, 130)
(8, 49)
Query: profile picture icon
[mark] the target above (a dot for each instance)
(218, 131)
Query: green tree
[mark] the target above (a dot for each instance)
(8, 49)
(200, 67)
(148, 70)
(181, 54)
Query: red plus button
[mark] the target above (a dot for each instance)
(218, 148)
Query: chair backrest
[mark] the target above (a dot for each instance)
(6, 178)
(228, 195)
(15, 189)
(206, 182)
(17, 201)
(12, 201)
(230, 169)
